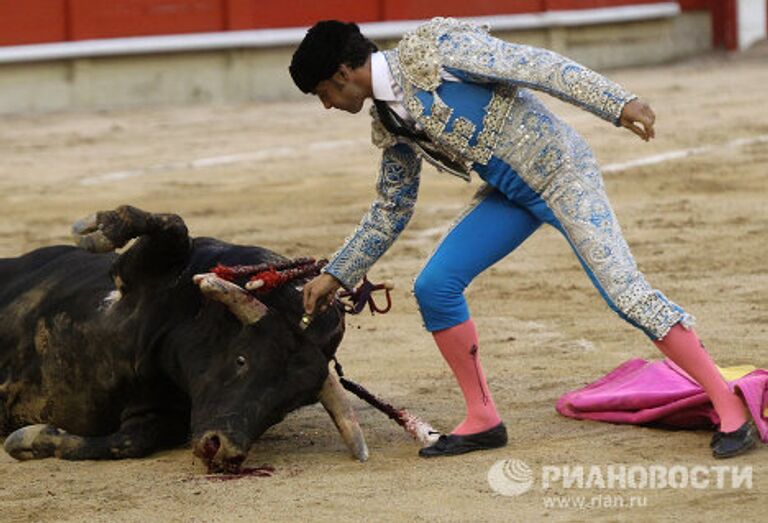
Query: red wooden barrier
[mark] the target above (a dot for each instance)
(110, 18)
(691, 5)
(32, 21)
(259, 14)
(567, 5)
(419, 9)
(725, 32)
(36, 21)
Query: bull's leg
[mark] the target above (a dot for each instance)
(138, 436)
(163, 240)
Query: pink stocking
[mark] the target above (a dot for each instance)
(683, 347)
(458, 345)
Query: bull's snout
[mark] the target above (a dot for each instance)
(219, 453)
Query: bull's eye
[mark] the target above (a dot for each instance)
(240, 360)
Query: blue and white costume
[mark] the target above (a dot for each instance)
(536, 169)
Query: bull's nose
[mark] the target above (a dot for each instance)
(210, 447)
(219, 453)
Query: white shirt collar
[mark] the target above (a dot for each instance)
(381, 78)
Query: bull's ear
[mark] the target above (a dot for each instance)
(239, 301)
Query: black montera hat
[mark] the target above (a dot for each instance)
(319, 55)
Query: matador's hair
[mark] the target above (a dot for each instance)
(326, 46)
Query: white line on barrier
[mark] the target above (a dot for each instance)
(274, 153)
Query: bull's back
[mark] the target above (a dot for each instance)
(51, 276)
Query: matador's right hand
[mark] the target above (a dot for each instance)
(639, 112)
(319, 293)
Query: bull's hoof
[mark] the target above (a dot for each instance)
(88, 235)
(32, 442)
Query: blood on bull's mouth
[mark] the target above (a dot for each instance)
(230, 465)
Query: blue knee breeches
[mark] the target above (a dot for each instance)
(503, 215)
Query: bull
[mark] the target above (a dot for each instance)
(109, 356)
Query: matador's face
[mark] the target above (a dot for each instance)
(342, 92)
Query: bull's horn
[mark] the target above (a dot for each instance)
(335, 401)
(247, 308)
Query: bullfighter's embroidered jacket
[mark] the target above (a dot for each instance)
(495, 76)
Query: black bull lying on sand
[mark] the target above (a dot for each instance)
(106, 356)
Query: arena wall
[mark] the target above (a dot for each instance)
(90, 72)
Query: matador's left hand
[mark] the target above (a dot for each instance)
(639, 112)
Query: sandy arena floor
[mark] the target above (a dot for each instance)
(297, 179)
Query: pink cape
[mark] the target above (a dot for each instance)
(640, 392)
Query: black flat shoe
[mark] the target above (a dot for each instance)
(453, 445)
(729, 444)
